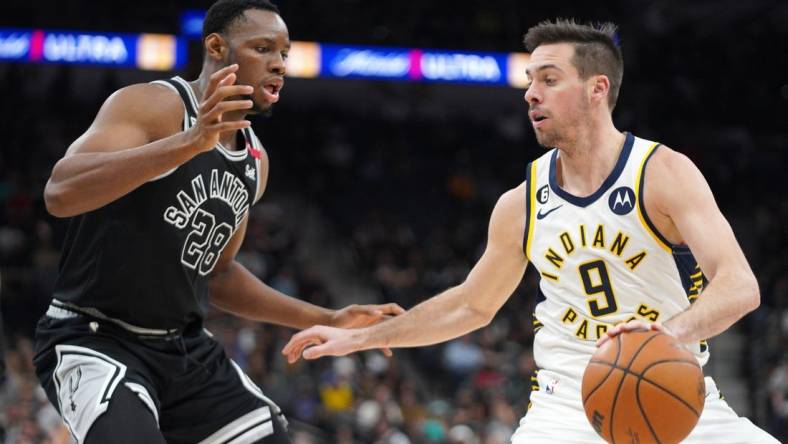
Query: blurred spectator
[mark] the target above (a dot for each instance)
(778, 397)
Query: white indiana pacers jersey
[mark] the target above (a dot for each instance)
(601, 261)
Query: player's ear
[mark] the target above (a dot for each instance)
(215, 46)
(599, 87)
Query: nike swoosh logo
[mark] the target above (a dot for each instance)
(541, 215)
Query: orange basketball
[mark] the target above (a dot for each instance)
(643, 387)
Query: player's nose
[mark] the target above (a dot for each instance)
(531, 95)
(277, 64)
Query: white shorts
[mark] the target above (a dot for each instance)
(557, 416)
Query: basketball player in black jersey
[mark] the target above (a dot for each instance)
(159, 189)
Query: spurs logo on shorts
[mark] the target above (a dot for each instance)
(85, 381)
(73, 378)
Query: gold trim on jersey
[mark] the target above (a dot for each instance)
(641, 217)
(531, 213)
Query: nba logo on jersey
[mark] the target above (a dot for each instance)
(621, 200)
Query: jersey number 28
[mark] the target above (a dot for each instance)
(205, 242)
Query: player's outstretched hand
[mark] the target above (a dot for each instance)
(357, 316)
(204, 134)
(631, 326)
(319, 341)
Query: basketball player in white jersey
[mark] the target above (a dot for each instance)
(613, 224)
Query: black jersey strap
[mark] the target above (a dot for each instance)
(186, 93)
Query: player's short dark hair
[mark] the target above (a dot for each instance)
(224, 13)
(596, 49)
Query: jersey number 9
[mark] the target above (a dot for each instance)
(599, 285)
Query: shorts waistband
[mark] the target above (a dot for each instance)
(66, 310)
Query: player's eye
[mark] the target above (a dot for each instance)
(261, 49)
(285, 55)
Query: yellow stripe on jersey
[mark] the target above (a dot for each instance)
(638, 181)
(531, 213)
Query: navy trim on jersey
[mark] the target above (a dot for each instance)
(527, 207)
(540, 297)
(686, 265)
(642, 204)
(611, 179)
(692, 279)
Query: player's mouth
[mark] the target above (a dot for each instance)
(271, 88)
(537, 118)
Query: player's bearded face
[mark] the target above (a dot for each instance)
(259, 46)
(567, 114)
(259, 106)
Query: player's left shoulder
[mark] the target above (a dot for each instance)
(669, 169)
(672, 181)
(668, 161)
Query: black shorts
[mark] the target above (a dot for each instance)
(187, 390)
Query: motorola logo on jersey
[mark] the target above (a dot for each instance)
(621, 200)
(543, 194)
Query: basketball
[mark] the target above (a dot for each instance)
(643, 387)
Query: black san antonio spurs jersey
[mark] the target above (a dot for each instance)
(145, 258)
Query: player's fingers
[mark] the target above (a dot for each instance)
(222, 93)
(637, 325)
(234, 125)
(296, 353)
(656, 326)
(602, 340)
(215, 113)
(293, 350)
(613, 332)
(300, 338)
(391, 309)
(317, 351)
(369, 310)
(630, 326)
(228, 80)
(387, 352)
(623, 328)
(219, 76)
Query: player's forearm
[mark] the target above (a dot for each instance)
(238, 291)
(439, 319)
(726, 300)
(83, 182)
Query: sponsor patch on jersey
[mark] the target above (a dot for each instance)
(251, 173)
(543, 194)
(622, 200)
